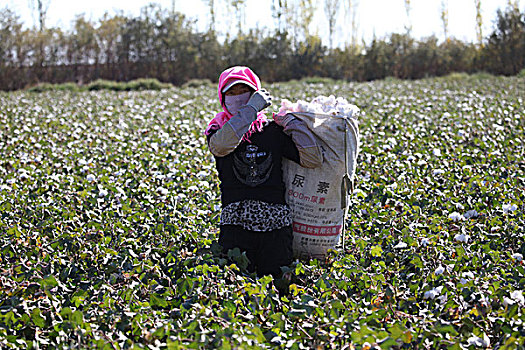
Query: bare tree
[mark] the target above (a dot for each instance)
(330, 9)
(297, 17)
(479, 22)
(280, 13)
(444, 17)
(513, 4)
(408, 9)
(351, 12)
(211, 6)
(239, 7)
(40, 7)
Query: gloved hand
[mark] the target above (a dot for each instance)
(283, 120)
(259, 100)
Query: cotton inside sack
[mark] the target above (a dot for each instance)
(315, 195)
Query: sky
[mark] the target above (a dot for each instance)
(375, 17)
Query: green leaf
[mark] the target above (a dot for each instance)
(396, 331)
(158, 300)
(388, 343)
(376, 251)
(337, 304)
(259, 334)
(48, 282)
(77, 318)
(37, 318)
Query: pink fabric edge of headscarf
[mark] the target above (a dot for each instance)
(221, 118)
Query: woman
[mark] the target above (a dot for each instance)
(248, 151)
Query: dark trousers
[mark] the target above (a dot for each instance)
(267, 251)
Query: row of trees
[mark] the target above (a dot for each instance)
(164, 44)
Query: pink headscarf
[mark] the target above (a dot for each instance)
(229, 75)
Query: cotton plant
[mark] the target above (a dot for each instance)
(424, 242)
(515, 297)
(466, 277)
(471, 214)
(455, 216)
(462, 238)
(478, 341)
(162, 191)
(432, 293)
(439, 270)
(509, 208)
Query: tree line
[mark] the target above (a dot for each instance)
(165, 44)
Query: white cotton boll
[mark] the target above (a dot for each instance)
(180, 196)
(162, 191)
(455, 216)
(401, 245)
(424, 242)
(103, 193)
(202, 174)
(440, 269)
(479, 342)
(437, 152)
(517, 296)
(329, 105)
(508, 301)
(471, 214)
(411, 158)
(286, 106)
(438, 171)
(433, 293)
(508, 208)
(341, 101)
(467, 276)
(23, 174)
(517, 256)
(91, 178)
(302, 106)
(461, 237)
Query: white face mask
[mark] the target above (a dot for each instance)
(235, 102)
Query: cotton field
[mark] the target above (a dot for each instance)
(109, 207)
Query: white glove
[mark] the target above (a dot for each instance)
(260, 100)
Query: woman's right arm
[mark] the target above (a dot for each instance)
(224, 140)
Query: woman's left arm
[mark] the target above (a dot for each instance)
(310, 155)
